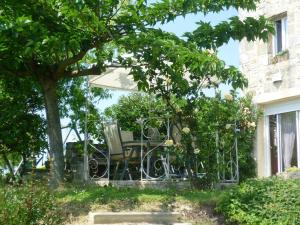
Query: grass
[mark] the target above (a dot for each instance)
(76, 201)
(105, 195)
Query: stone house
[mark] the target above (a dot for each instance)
(273, 71)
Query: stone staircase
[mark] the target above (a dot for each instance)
(135, 218)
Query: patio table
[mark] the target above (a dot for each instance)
(143, 147)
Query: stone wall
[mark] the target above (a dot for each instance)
(74, 162)
(256, 58)
(159, 184)
(272, 78)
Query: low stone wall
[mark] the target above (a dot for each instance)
(162, 184)
(135, 218)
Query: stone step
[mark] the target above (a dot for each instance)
(135, 218)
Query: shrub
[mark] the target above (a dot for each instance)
(267, 201)
(29, 204)
(293, 169)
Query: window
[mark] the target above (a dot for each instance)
(280, 37)
(284, 141)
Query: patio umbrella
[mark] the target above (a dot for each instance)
(116, 78)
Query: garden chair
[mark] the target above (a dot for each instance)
(119, 150)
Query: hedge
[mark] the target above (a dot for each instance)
(263, 201)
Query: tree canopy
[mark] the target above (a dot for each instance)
(50, 40)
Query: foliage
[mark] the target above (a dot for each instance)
(29, 204)
(22, 128)
(134, 106)
(76, 99)
(1, 178)
(59, 39)
(22, 123)
(266, 201)
(229, 118)
(72, 201)
(293, 169)
(209, 115)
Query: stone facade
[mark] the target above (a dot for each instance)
(274, 80)
(256, 58)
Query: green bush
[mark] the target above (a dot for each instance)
(263, 202)
(29, 204)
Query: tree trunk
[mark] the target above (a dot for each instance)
(54, 131)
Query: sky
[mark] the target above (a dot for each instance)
(229, 53)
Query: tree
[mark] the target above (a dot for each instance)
(75, 99)
(61, 39)
(22, 128)
(22, 123)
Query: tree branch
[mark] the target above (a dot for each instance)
(14, 73)
(86, 72)
(96, 69)
(96, 43)
(67, 62)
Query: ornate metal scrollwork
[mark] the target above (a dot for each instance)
(155, 160)
(98, 162)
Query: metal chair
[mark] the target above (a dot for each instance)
(119, 150)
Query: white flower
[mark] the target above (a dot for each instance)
(246, 110)
(210, 51)
(168, 63)
(168, 80)
(196, 151)
(228, 97)
(186, 130)
(228, 126)
(169, 142)
(251, 124)
(214, 80)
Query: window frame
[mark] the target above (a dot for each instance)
(284, 35)
(280, 168)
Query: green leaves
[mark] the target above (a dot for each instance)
(167, 10)
(135, 106)
(165, 64)
(268, 201)
(29, 203)
(212, 37)
(74, 99)
(22, 129)
(40, 36)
